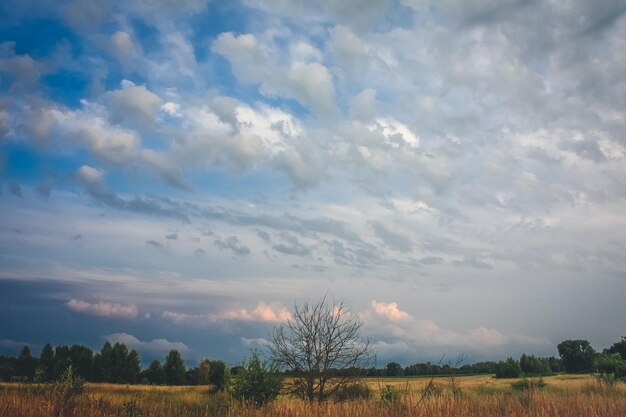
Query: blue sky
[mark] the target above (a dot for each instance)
(178, 174)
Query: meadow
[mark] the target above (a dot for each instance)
(467, 396)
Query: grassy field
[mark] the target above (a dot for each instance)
(479, 396)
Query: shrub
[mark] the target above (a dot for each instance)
(527, 384)
(390, 395)
(611, 364)
(257, 382)
(354, 391)
(65, 393)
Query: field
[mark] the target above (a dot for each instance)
(479, 396)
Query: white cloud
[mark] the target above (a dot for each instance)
(89, 127)
(25, 71)
(395, 327)
(154, 346)
(103, 308)
(91, 177)
(133, 105)
(262, 312)
(310, 83)
(124, 48)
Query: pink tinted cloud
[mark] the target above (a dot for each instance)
(103, 308)
(390, 310)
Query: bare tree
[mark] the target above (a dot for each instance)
(321, 346)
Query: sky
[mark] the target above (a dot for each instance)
(177, 174)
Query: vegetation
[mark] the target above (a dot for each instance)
(484, 396)
(321, 348)
(257, 382)
(577, 355)
(509, 368)
(322, 358)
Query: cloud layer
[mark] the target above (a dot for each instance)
(193, 158)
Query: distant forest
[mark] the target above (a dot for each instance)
(116, 363)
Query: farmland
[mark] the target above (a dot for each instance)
(563, 395)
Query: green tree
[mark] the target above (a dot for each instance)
(81, 358)
(155, 373)
(577, 355)
(175, 372)
(509, 368)
(219, 374)
(46, 362)
(202, 374)
(394, 369)
(611, 364)
(619, 348)
(103, 364)
(25, 364)
(532, 365)
(257, 382)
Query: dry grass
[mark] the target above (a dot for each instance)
(475, 396)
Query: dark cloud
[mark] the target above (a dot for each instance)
(232, 243)
(292, 246)
(264, 235)
(394, 240)
(173, 236)
(15, 189)
(44, 190)
(585, 148)
(150, 205)
(363, 256)
(155, 244)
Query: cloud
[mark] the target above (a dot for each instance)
(14, 345)
(103, 308)
(24, 71)
(44, 190)
(254, 343)
(395, 329)
(199, 252)
(310, 83)
(155, 244)
(133, 105)
(232, 243)
(15, 189)
(154, 346)
(394, 240)
(262, 313)
(124, 48)
(390, 311)
(292, 246)
(92, 178)
(89, 127)
(172, 236)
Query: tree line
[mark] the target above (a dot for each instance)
(114, 363)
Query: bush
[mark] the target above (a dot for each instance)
(257, 382)
(354, 391)
(65, 393)
(611, 364)
(390, 395)
(527, 384)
